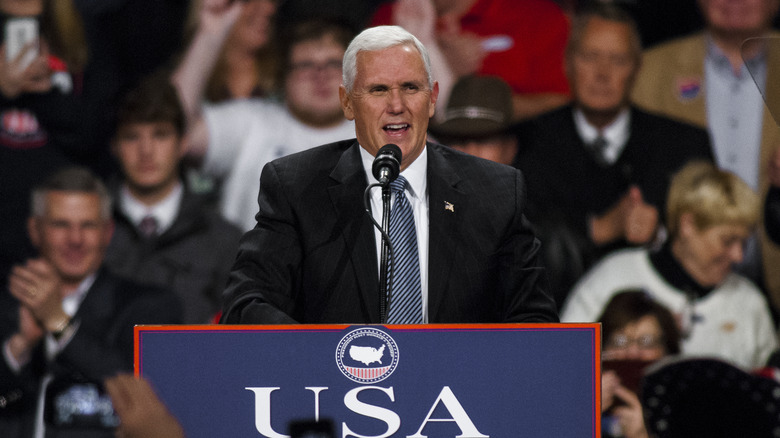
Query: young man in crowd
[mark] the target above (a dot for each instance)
(165, 234)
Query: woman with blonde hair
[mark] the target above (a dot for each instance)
(710, 215)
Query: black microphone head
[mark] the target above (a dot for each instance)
(389, 158)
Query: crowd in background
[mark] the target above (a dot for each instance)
(644, 132)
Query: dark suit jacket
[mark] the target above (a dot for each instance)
(566, 185)
(312, 256)
(191, 258)
(101, 346)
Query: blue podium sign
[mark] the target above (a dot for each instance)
(463, 380)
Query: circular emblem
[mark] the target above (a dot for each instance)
(367, 355)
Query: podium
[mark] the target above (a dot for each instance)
(433, 380)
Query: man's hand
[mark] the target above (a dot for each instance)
(631, 219)
(38, 287)
(140, 411)
(641, 219)
(22, 343)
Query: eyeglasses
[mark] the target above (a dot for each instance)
(310, 68)
(645, 342)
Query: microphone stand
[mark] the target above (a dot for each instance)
(386, 167)
(383, 263)
(385, 268)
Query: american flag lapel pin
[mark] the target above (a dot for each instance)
(449, 206)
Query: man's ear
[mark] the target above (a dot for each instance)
(33, 230)
(346, 103)
(434, 98)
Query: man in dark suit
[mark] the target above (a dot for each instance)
(599, 168)
(314, 255)
(66, 323)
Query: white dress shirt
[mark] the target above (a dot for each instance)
(417, 194)
(164, 212)
(616, 133)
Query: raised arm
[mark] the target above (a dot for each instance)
(216, 18)
(419, 18)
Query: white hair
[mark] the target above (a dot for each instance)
(380, 38)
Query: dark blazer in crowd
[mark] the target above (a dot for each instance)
(312, 257)
(567, 186)
(192, 258)
(101, 346)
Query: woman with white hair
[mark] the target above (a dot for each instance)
(710, 214)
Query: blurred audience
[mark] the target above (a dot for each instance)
(246, 61)
(67, 322)
(477, 119)
(637, 331)
(43, 126)
(420, 18)
(710, 213)
(234, 140)
(657, 21)
(127, 40)
(521, 42)
(703, 79)
(357, 13)
(165, 234)
(598, 169)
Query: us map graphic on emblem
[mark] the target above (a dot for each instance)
(367, 355)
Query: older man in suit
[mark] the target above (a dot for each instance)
(313, 256)
(599, 168)
(67, 323)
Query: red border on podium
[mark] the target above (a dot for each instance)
(211, 328)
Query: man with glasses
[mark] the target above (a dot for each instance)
(231, 142)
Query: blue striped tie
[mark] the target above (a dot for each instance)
(406, 294)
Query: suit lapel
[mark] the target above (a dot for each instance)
(357, 229)
(99, 302)
(445, 202)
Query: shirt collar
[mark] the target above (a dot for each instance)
(415, 174)
(719, 61)
(164, 211)
(72, 301)
(616, 133)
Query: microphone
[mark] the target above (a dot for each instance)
(387, 164)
